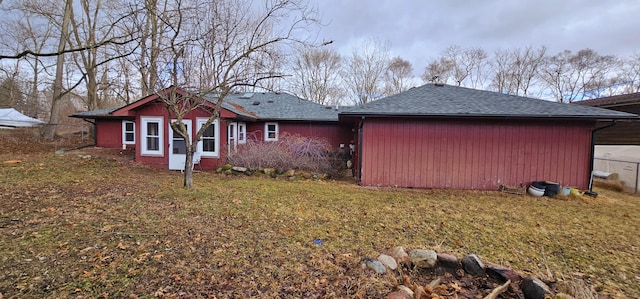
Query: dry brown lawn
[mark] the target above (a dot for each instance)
(80, 227)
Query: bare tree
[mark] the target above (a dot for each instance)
(96, 23)
(515, 70)
(397, 75)
(629, 78)
(572, 77)
(364, 70)
(316, 75)
(236, 40)
(438, 71)
(464, 67)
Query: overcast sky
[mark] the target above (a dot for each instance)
(420, 30)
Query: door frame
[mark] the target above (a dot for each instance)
(177, 160)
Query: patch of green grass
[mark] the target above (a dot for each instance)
(72, 227)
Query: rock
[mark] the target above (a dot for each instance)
(533, 288)
(388, 261)
(227, 167)
(374, 265)
(280, 171)
(239, 169)
(400, 255)
(291, 172)
(248, 173)
(219, 170)
(423, 258)
(472, 265)
(502, 273)
(60, 152)
(269, 171)
(448, 260)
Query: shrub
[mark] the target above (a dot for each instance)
(289, 152)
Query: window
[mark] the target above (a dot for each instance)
(152, 136)
(242, 133)
(128, 132)
(271, 132)
(209, 143)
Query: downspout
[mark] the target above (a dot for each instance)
(593, 150)
(359, 180)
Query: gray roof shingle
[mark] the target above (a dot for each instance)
(281, 106)
(454, 101)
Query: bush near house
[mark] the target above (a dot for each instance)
(289, 152)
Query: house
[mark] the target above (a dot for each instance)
(144, 125)
(617, 147)
(623, 133)
(441, 136)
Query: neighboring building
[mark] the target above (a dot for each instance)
(618, 147)
(144, 125)
(441, 136)
(623, 132)
(433, 136)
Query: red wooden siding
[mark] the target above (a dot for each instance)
(335, 133)
(109, 133)
(474, 154)
(157, 109)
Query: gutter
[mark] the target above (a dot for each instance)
(592, 155)
(359, 179)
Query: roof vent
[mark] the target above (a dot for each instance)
(256, 103)
(438, 84)
(246, 95)
(270, 101)
(328, 107)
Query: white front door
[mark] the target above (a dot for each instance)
(232, 140)
(177, 148)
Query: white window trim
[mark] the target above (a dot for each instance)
(124, 132)
(143, 140)
(216, 130)
(242, 133)
(266, 131)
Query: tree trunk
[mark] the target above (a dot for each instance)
(56, 103)
(188, 164)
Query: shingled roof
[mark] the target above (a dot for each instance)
(266, 106)
(433, 100)
(281, 106)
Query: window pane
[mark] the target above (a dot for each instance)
(209, 132)
(128, 126)
(152, 129)
(153, 143)
(208, 145)
(179, 146)
(129, 137)
(271, 128)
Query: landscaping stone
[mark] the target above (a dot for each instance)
(291, 172)
(239, 169)
(423, 258)
(502, 273)
(472, 265)
(448, 260)
(388, 261)
(533, 288)
(269, 171)
(400, 255)
(374, 265)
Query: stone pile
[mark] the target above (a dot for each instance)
(529, 286)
